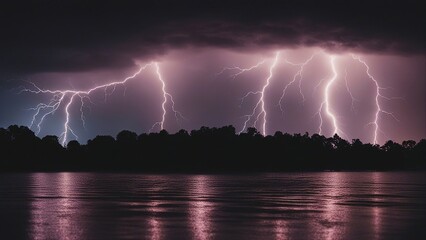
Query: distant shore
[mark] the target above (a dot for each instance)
(207, 150)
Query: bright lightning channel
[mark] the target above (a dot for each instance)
(297, 77)
(64, 99)
(326, 103)
(261, 102)
(166, 95)
(239, 70)
(330, 82)
(67, 97)
(349, 91)
(378, 95)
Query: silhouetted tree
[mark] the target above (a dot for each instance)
(409, 144)
(163, 133)
(73, 145)
(182, 133)
(251, 132)
(207, 149)
(126, 137)
(51, 141)
(5, 136)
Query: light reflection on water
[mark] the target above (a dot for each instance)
(376, 210)
(200, 207)
(328, 205)
(56, 212)
(334, 217)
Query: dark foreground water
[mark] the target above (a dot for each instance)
(329, 205)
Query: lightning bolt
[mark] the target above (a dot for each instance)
(349, 91)
(67, 97)
(330, 82)
(326, 103)
(378, 96)
(257, 117)
(297, 77)
(239, 70)
(261, 102)
(166, 96)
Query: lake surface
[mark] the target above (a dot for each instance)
(326, 205)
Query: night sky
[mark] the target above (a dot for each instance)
(77, 45)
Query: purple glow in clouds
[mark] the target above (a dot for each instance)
(329, 80)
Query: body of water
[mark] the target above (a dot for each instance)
(325, 205)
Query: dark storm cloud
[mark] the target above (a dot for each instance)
(39, 36)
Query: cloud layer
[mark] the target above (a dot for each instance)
(42, 36)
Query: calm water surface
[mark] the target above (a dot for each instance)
(329, 205)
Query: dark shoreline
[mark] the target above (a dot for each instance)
(207, 150)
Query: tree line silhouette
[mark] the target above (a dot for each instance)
(204, 150)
